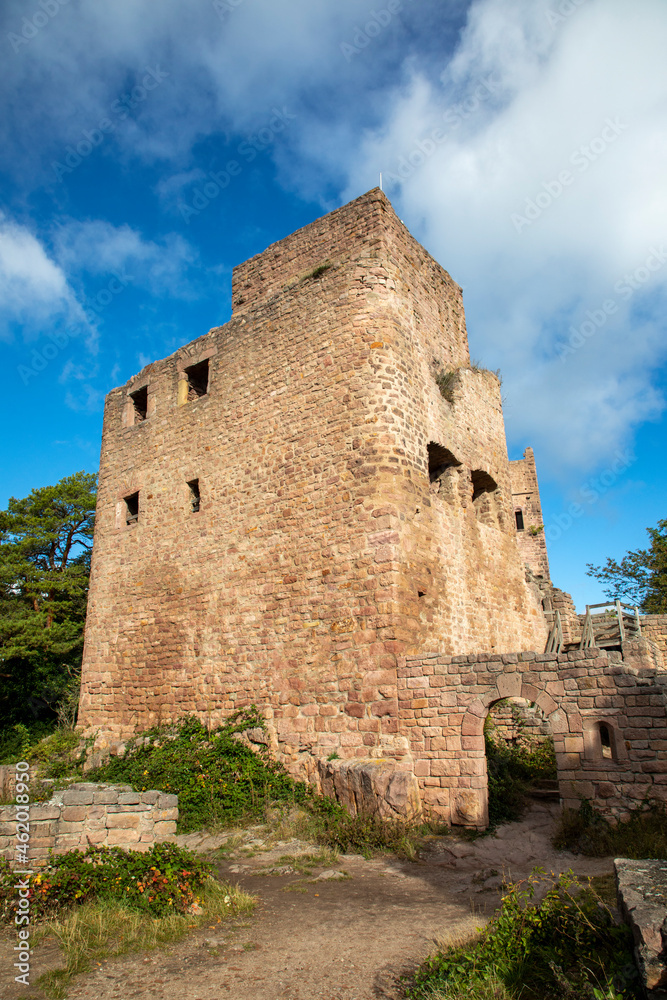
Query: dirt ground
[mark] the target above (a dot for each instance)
(348, 932)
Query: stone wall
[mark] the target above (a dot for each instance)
(87, 814)
(517, 721)
(589, 698)
(654, 627)
(331, 536)
(530, 526)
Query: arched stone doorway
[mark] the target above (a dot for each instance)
(520, 759)
(470, 805)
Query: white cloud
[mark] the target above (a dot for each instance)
(554, 94)
(34, 290)
(517, 97)
(99, 248)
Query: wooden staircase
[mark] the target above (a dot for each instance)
(606, 626)
(610, 625)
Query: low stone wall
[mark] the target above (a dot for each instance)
(88, 814)
(608, 717)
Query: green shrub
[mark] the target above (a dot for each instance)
(217, 777)
(511, 771)
(16, 741)
(60, 754)
(642, 835)
(567, 946)
(164, 880)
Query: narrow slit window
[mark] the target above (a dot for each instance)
(140, 403)
(518, 514)
(606, 743)
(195, 496)
(132, 508)
(197, 376)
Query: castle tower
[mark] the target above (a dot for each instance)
(299, 496)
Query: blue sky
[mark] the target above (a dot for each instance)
(145, 149)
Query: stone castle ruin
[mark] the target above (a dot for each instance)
(311, 508)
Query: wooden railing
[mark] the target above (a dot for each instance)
(555, 640)
(611, 626)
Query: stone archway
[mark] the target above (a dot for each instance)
(470, 805)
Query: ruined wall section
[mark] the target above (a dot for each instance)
(463, 581)
(654, 627)
(528, 513)
(335, 238)
(86, 815)
(444, 701)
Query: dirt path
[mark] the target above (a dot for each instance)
(317, 934)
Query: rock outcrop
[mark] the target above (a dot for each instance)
(642, 899)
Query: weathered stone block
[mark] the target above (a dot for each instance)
(642, 898)
(122, 838)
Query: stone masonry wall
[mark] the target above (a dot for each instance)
(526, 499)
(321, 550)
(654, 627)
(516, 720)
(87, 814)
(444, 700)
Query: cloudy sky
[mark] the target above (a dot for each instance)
(524, 144)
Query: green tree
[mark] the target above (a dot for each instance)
(45, 546)
(640, 577)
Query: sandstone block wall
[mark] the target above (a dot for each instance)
(526, 501)
(87, 814)
(330, 538)
(654, 628)
(588, 697)
(518, 721)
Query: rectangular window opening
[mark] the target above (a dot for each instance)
(132, 508)
(518, 514)
(140, 401)
(195, 496)
(197, 376)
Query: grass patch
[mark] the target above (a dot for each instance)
(568, 947)
(446, 382)
(304, 863)
(642, 835)
(106, 929)
(367, 835)
(317, 271)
